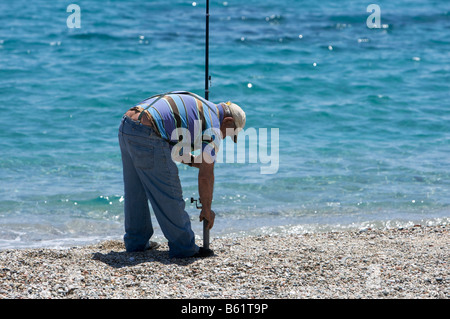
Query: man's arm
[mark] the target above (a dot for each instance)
(205, 189)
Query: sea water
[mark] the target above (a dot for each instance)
(362, 112)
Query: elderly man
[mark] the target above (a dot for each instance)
(153, 134)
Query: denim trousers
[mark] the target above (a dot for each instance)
(150, 174)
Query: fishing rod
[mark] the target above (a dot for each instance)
(205, 224)
(207, 79)
(207, 76)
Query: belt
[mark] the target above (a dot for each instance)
(147, 120)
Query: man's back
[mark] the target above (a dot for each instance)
(181, 110)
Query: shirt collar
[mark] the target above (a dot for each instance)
(221, 108)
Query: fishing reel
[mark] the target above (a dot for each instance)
(196, 205)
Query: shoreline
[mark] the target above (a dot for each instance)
(399, 263)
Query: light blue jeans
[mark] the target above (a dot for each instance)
(149, 174)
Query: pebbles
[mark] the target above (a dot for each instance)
(398, 263)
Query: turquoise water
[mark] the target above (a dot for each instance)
(363, 114)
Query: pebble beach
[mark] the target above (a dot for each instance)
(366, 264)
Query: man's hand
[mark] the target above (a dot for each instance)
(209, 215)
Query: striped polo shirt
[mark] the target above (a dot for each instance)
(178, 113)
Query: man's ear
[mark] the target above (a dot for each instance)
(228, 121)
